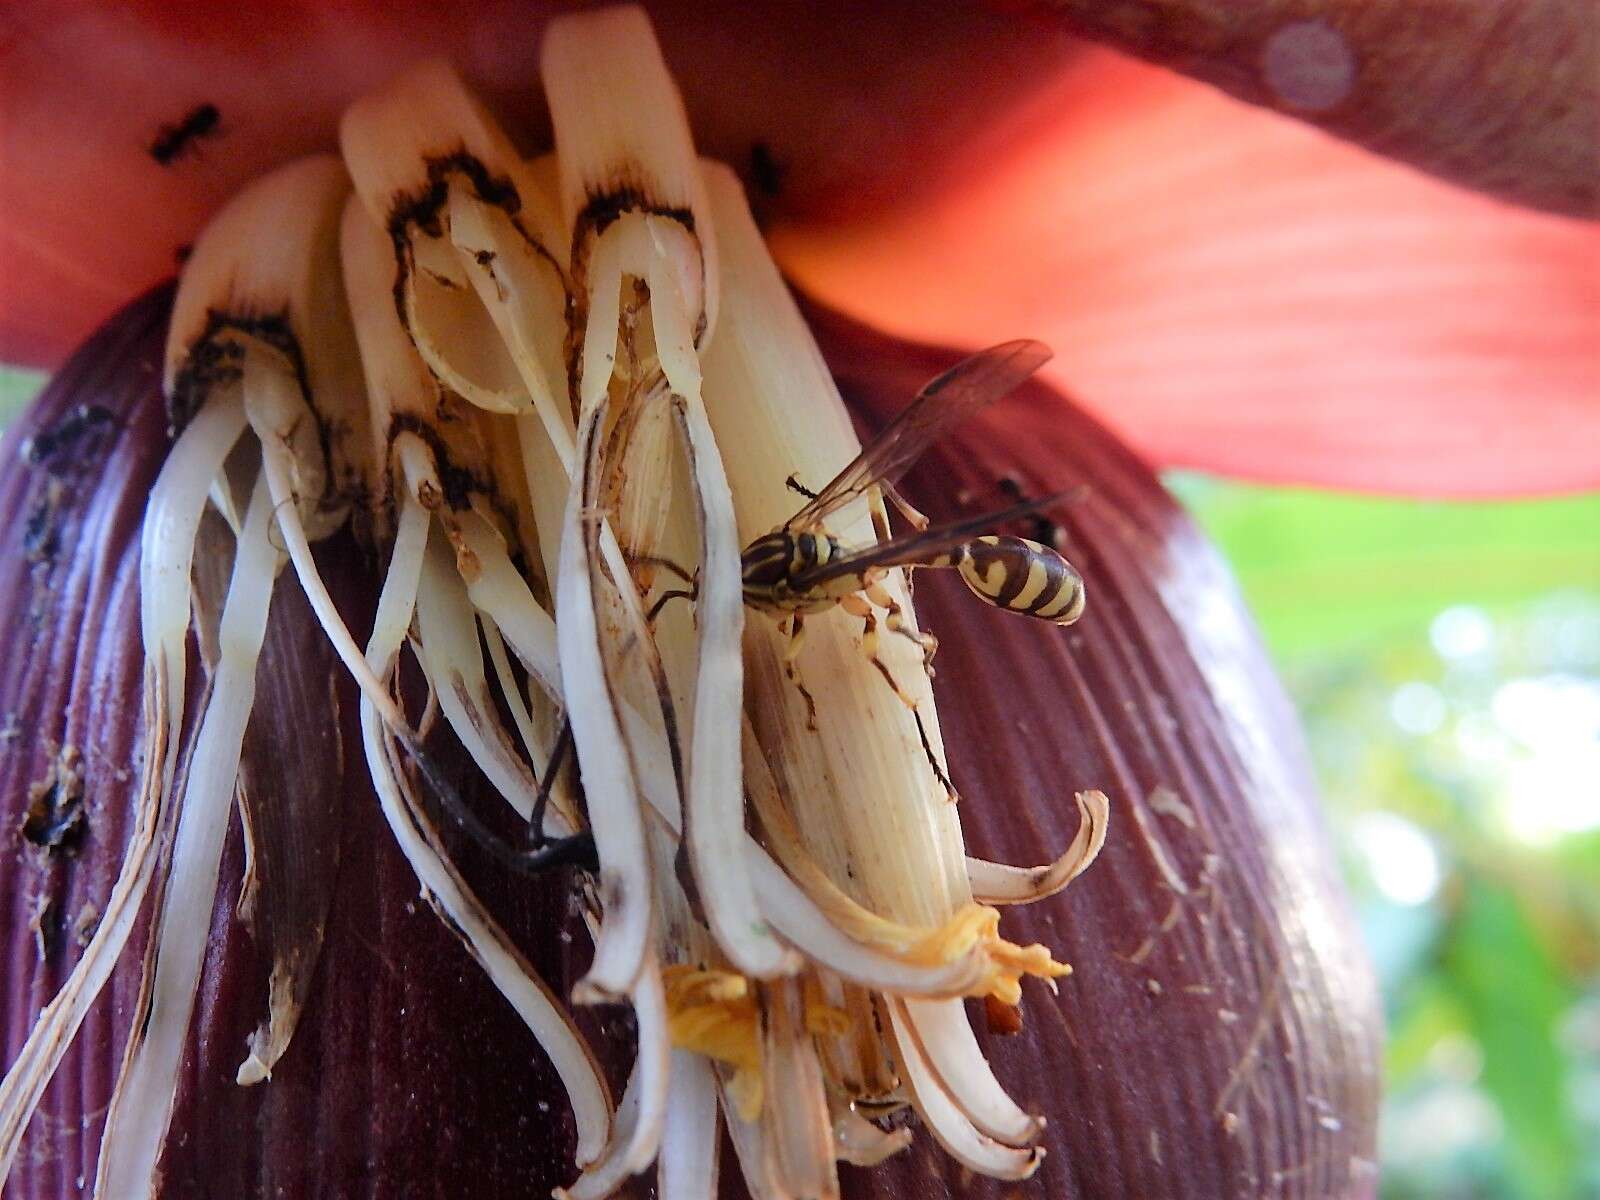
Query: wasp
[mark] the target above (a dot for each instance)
(173, 141)
(800, 568)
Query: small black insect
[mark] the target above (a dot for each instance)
(174, 141)
(766, 171)
(1040, 527)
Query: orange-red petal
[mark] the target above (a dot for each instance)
(843, 112)
(1235, 291)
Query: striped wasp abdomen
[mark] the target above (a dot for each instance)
(1020, 576)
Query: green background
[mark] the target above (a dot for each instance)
(1446, 661)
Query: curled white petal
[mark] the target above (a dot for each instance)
(498, 590)
(642, 1115)
(451, 658)
(965, 1143)
(171, 522)
(942, 1029)
(141, 1105)
(507, 969)
(277, 411)
(996, 883)
(609, 771)
(796, 916)
(714, 811)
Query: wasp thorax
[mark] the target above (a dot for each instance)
(657, 592)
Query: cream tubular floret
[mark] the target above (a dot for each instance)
(259, 339)
(421, 151)
(645, 284)
(437, 460)
(629, 181)
(260, 323)
(261, 311)
(141, 1105)
(850, 796)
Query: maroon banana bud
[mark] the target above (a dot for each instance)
(1218, 1038)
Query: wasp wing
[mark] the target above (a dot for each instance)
(945, 402)
(917, 549)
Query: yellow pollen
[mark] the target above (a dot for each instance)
(713, 1012)
(823, 1019)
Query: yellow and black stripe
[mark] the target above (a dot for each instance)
(772, 562)
(1019, 576)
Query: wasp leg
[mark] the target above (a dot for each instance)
(896, 621)
(880, 516)
(644, 567)
(794, 626)
(918, 519)
(859, 606)
(933, 760)
(661, 602)
(656, 560)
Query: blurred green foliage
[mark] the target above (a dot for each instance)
(1446, 660)
(17, 387)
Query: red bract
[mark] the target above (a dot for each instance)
(1225, 287)
(1241, 293)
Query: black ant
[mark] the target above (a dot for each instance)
(765, 170)
(174, 141)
